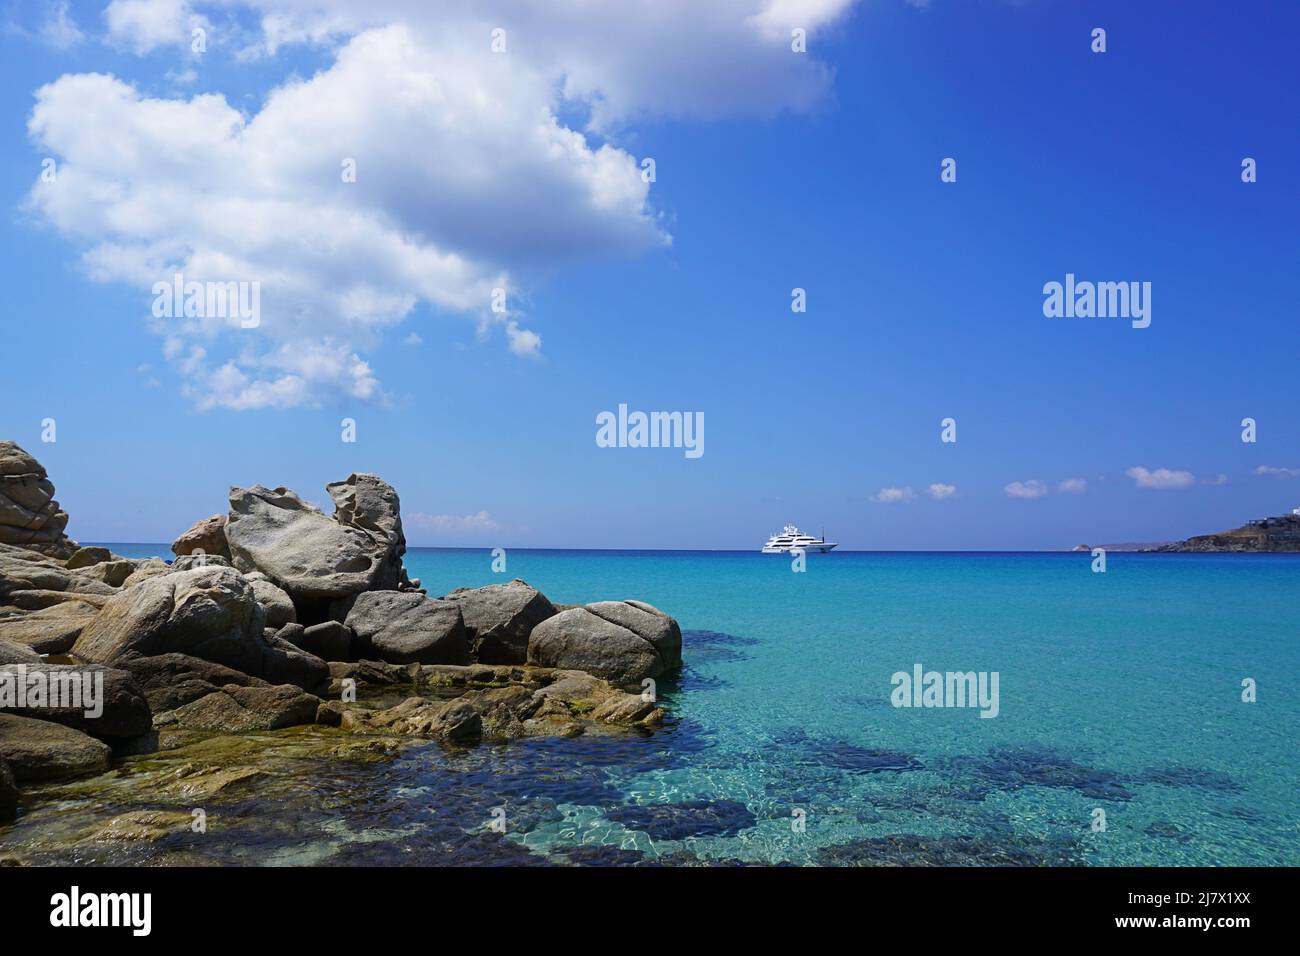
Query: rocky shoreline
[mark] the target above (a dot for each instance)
(275, 615)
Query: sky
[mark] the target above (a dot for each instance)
(146, 138)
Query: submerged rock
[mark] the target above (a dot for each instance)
(690, 818)
(499, 619)
(40, 750)
(404, 627)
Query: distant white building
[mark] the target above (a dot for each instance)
(1296, 512)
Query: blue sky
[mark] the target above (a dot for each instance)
(774, 170)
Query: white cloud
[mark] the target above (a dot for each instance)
(1162, 479)
(890, 496)
(413, 340)
(482, 521)
(59, 29)
(1073, 486)
(1278, 472)
(483, 183)
(479, 178)
(1026, 489)
(1219, 479)
(144, 25)
(623, 60)
(940, 491)
(523, 342)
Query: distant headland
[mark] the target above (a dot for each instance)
(1280, 533)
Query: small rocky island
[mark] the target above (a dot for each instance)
(275, 615)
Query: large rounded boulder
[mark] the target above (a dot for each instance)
(405, 627)
(499, 619)
(620, 641)
(207, 612)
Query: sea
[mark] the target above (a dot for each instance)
(1145, 715)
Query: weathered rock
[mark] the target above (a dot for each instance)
(329, 640)
(330, 713)
(625, 709)
(210, 613)
(40, 750)
(454, 721)
(579, 639)
(112, 573)
(169, 681)
(404, 627)
(283, 663)
(29, 515)
(17, 654)
(36, 600)
(8, 793)
(648, 622)
(274, 600)
(188, 562)
(100, 701)
(235, 709)
(499, 619)
(51, 630)
(22, 570)
(316, 559)
(84, 557)
(208, 536)
(25, 570)
(144, 570)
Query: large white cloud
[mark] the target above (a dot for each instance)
(465, 176)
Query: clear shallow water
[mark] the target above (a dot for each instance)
(1119, 691)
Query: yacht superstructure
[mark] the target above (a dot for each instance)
(791, 538)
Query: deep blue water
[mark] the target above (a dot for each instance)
(1119, 692)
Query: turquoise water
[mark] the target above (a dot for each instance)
(1119, 692)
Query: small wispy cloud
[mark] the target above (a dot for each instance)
(1219, 479)
(938, 491)
(59, 29)
(413, 340)
(1161, 479)
(893, 496)
(1278, 472)
(1073, 486)
(1027, 490)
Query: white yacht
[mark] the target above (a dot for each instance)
(791, 538)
